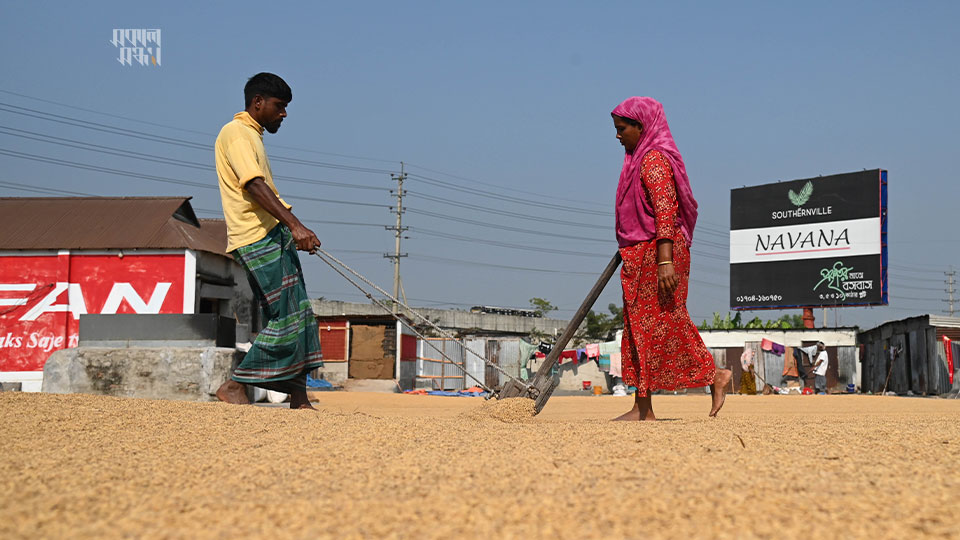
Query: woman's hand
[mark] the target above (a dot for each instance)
(667, 280)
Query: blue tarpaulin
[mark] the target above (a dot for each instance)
(318, 383)
(461, 393)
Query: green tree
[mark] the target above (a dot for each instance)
(794, 320)
(723, 322)
(600, 326)
(541, 306)
(726, 322)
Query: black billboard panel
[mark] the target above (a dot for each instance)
(841, 281)
(836, 197)
(809, 243)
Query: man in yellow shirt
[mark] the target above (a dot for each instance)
(263, 235)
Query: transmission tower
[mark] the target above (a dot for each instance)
(950, 281)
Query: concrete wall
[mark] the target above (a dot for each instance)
(572, 375)
(832, 337)
(191, 374)
(237, 300)
(449, 318)
(333, 372)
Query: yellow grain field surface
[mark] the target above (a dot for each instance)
(395, 466)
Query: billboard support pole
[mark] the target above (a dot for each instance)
(808, 317)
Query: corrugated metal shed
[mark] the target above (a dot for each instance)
(37, 223)
(908, 355)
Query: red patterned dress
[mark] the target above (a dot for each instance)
(661, 347)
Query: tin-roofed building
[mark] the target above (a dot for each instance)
(911, 355)
(61, 257)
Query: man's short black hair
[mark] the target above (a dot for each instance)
(266, 85)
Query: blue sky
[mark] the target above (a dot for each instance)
(512, 99)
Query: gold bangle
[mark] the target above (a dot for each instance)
(664, 262)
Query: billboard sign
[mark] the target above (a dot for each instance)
(43, 294)
(815, 242)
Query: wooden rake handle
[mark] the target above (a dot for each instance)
(578, 317)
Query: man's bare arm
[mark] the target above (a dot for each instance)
(305, 239)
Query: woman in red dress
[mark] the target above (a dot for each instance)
(656, 214)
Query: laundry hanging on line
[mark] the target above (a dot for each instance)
(604, 362)
(615, 370)
(568, 355)
(790, 364)
(608, 347)
(772, 347)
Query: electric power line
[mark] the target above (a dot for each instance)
(205, 147)
(504, 188)
(506, 198)
(913, 278)
(194, 131)
(307, 220)
(164, 179)
(448, 236)
(43, 190)
(125, 153)
(914, 269)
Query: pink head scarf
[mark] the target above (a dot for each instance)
(635, 217)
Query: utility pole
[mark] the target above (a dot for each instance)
(398, 233)
(950, 290)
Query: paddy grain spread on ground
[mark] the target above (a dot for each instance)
(396, 466)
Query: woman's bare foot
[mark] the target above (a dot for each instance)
(642, 410)
(718, 390)
(634, 416)
(233, 392)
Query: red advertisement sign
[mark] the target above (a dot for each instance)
(43, 296)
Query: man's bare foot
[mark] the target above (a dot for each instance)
(718, 390)
(233, 392)
(642, 411)
(300, 400)
(276, 386)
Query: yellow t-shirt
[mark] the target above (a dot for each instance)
(240, 158)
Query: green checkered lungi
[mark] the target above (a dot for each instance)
(289, 345)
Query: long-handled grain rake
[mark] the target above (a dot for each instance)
(541, 387)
